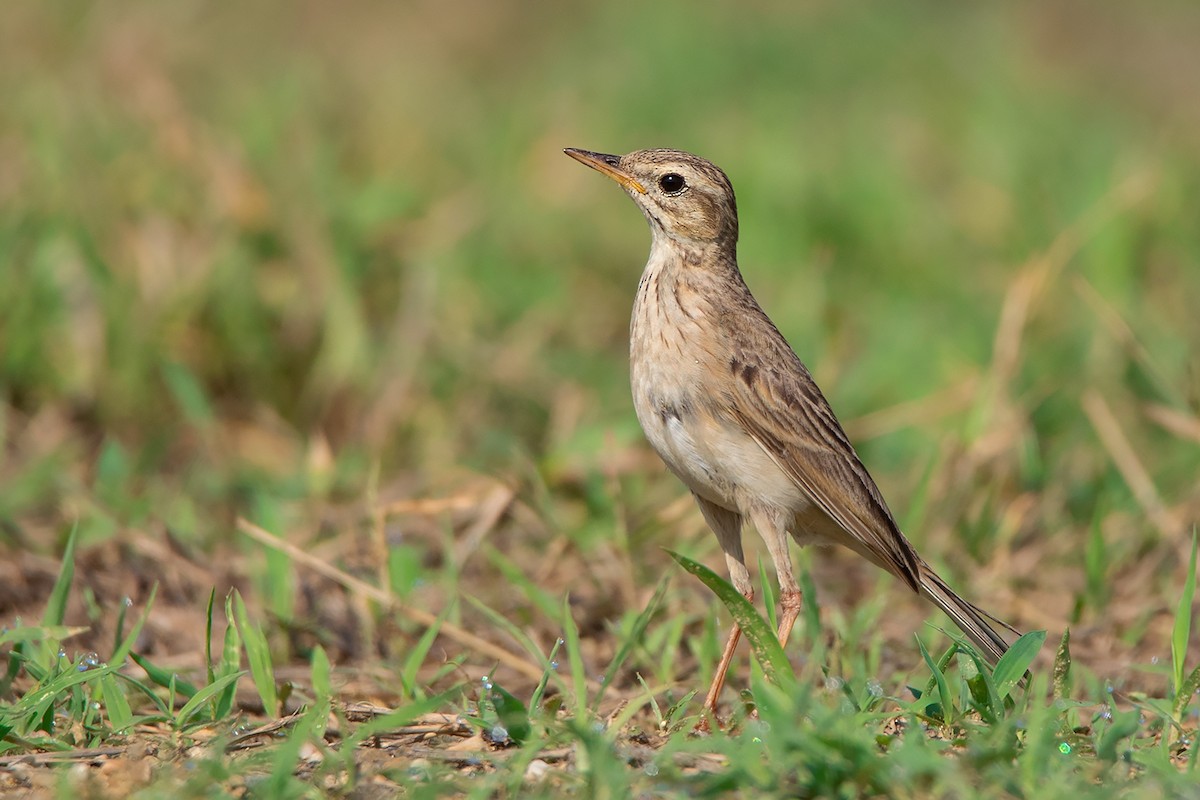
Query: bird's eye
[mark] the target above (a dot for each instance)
(672, 183)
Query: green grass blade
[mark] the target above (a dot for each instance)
(763, 643)
(575, 655)
(1012, 666)
(149, 693)
(1062, 667)
(119, 628)
(208, 629)
(1182, 631)
(766, 590)
(258, 654)
(36, 707)
(39, 633)
(34, 649)
(226, 682)
(164, 677)
(981, 685)
(1191, 684)
(126, 645)
(535, 700)
(231, 662)
(12, 668)
(511, 712)
(61, 682)
(56, 606)
(943, 663)
(320, 670)
(811, 612)
(115, 703)
(939, 679)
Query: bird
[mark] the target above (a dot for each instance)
(734, 413)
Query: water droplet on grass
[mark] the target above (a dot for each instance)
(1064, 748)
(88, 661)
(650, 769)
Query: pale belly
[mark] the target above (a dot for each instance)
(713, 457)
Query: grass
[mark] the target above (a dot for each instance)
(319, 473)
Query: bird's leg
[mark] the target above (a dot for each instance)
(741, 581)
(718, 682)
(714, 689)
(774, 533)
(727, 525)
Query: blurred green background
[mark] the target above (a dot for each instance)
(260, 258)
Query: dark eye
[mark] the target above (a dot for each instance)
(672, 183)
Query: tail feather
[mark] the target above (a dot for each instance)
(971, 620)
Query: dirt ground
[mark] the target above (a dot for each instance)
(364, 645)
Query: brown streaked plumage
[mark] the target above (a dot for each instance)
(732, 410)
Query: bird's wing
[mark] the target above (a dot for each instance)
(778, 403)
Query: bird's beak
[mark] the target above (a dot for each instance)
(609, 165)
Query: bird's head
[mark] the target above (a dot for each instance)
(684, 197)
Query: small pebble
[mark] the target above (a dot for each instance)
(536, 770)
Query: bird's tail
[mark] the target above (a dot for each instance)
(971, 620)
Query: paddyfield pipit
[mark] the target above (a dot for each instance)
(732, 410)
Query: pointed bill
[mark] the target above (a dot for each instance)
(607, 164)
